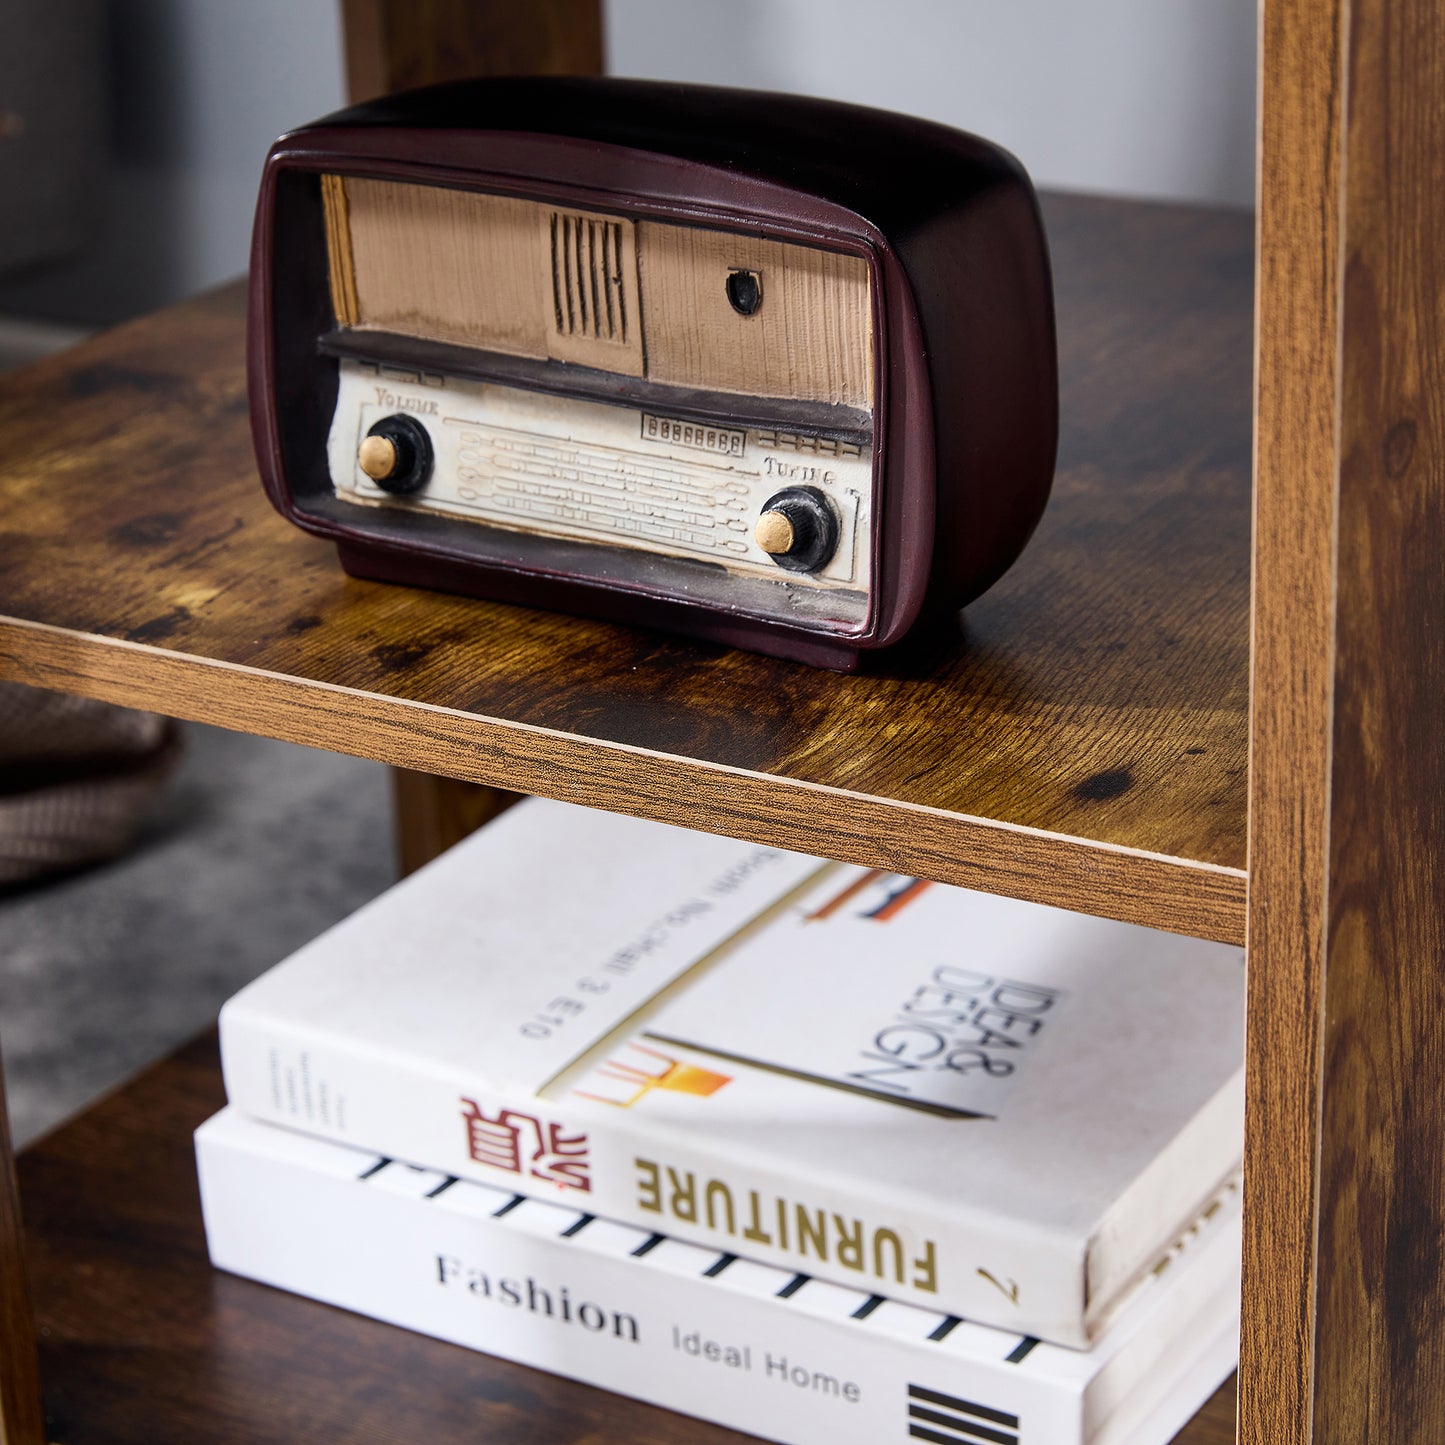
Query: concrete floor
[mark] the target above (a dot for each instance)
(256, 847)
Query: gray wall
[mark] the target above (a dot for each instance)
(52, 119)
(198, 90)
(1138, 97)
(1131, 97)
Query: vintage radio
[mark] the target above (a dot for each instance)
(773, 371)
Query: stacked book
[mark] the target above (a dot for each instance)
(809, 1150)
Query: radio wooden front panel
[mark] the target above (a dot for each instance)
(506, 277)
(638, 297)
(767, 370)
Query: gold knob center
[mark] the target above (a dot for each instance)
(377, 457)
(774, 534)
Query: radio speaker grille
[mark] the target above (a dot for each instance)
(589, 283)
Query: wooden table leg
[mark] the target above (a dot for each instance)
(397, 44)
(433, 813)
(1343, 1339)
(22, 1417)
(394, 45)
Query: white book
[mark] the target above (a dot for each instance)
(989, 1107)
(746, 1345)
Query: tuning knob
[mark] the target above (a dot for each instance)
(397, 455)
(798, 529)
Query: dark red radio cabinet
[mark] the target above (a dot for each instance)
(773, 371)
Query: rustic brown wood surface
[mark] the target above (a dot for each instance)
(1344, 1333)
(1081, 740)
(20, 1416)
(1298, 284)
(397, 44)
(1215, 1423)
(1380, 1295)
(142, 1341)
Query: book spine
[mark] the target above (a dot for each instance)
(604, 1159)
(725, 1339)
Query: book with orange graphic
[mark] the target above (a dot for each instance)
(635, 1070)
(992, 1108)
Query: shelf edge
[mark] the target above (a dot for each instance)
(1180, 895)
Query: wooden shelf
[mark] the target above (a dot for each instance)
(1081, 741)
(141, 1340)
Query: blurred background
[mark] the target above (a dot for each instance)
(163, 109)
(131, 139)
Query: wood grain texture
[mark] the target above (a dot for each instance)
(811, 339)
(340, 265)
(1380, 1295)
(1081, 740)
(531, 279)
(1344, 1329)
(433, 814)
(447, 265)
(1298, 282)
(513, 276)
(877, 832)
(21, 1417)
(398, 44)
(1215, 1423)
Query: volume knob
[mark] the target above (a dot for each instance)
(378, 458)
(397, 455)
(798, 529)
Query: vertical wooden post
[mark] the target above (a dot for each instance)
(434, 813)
(1344, 1320)
(395, 45)
(22, 1416)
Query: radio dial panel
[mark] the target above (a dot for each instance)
(505, 457)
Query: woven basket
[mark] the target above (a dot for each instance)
(75, 778)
